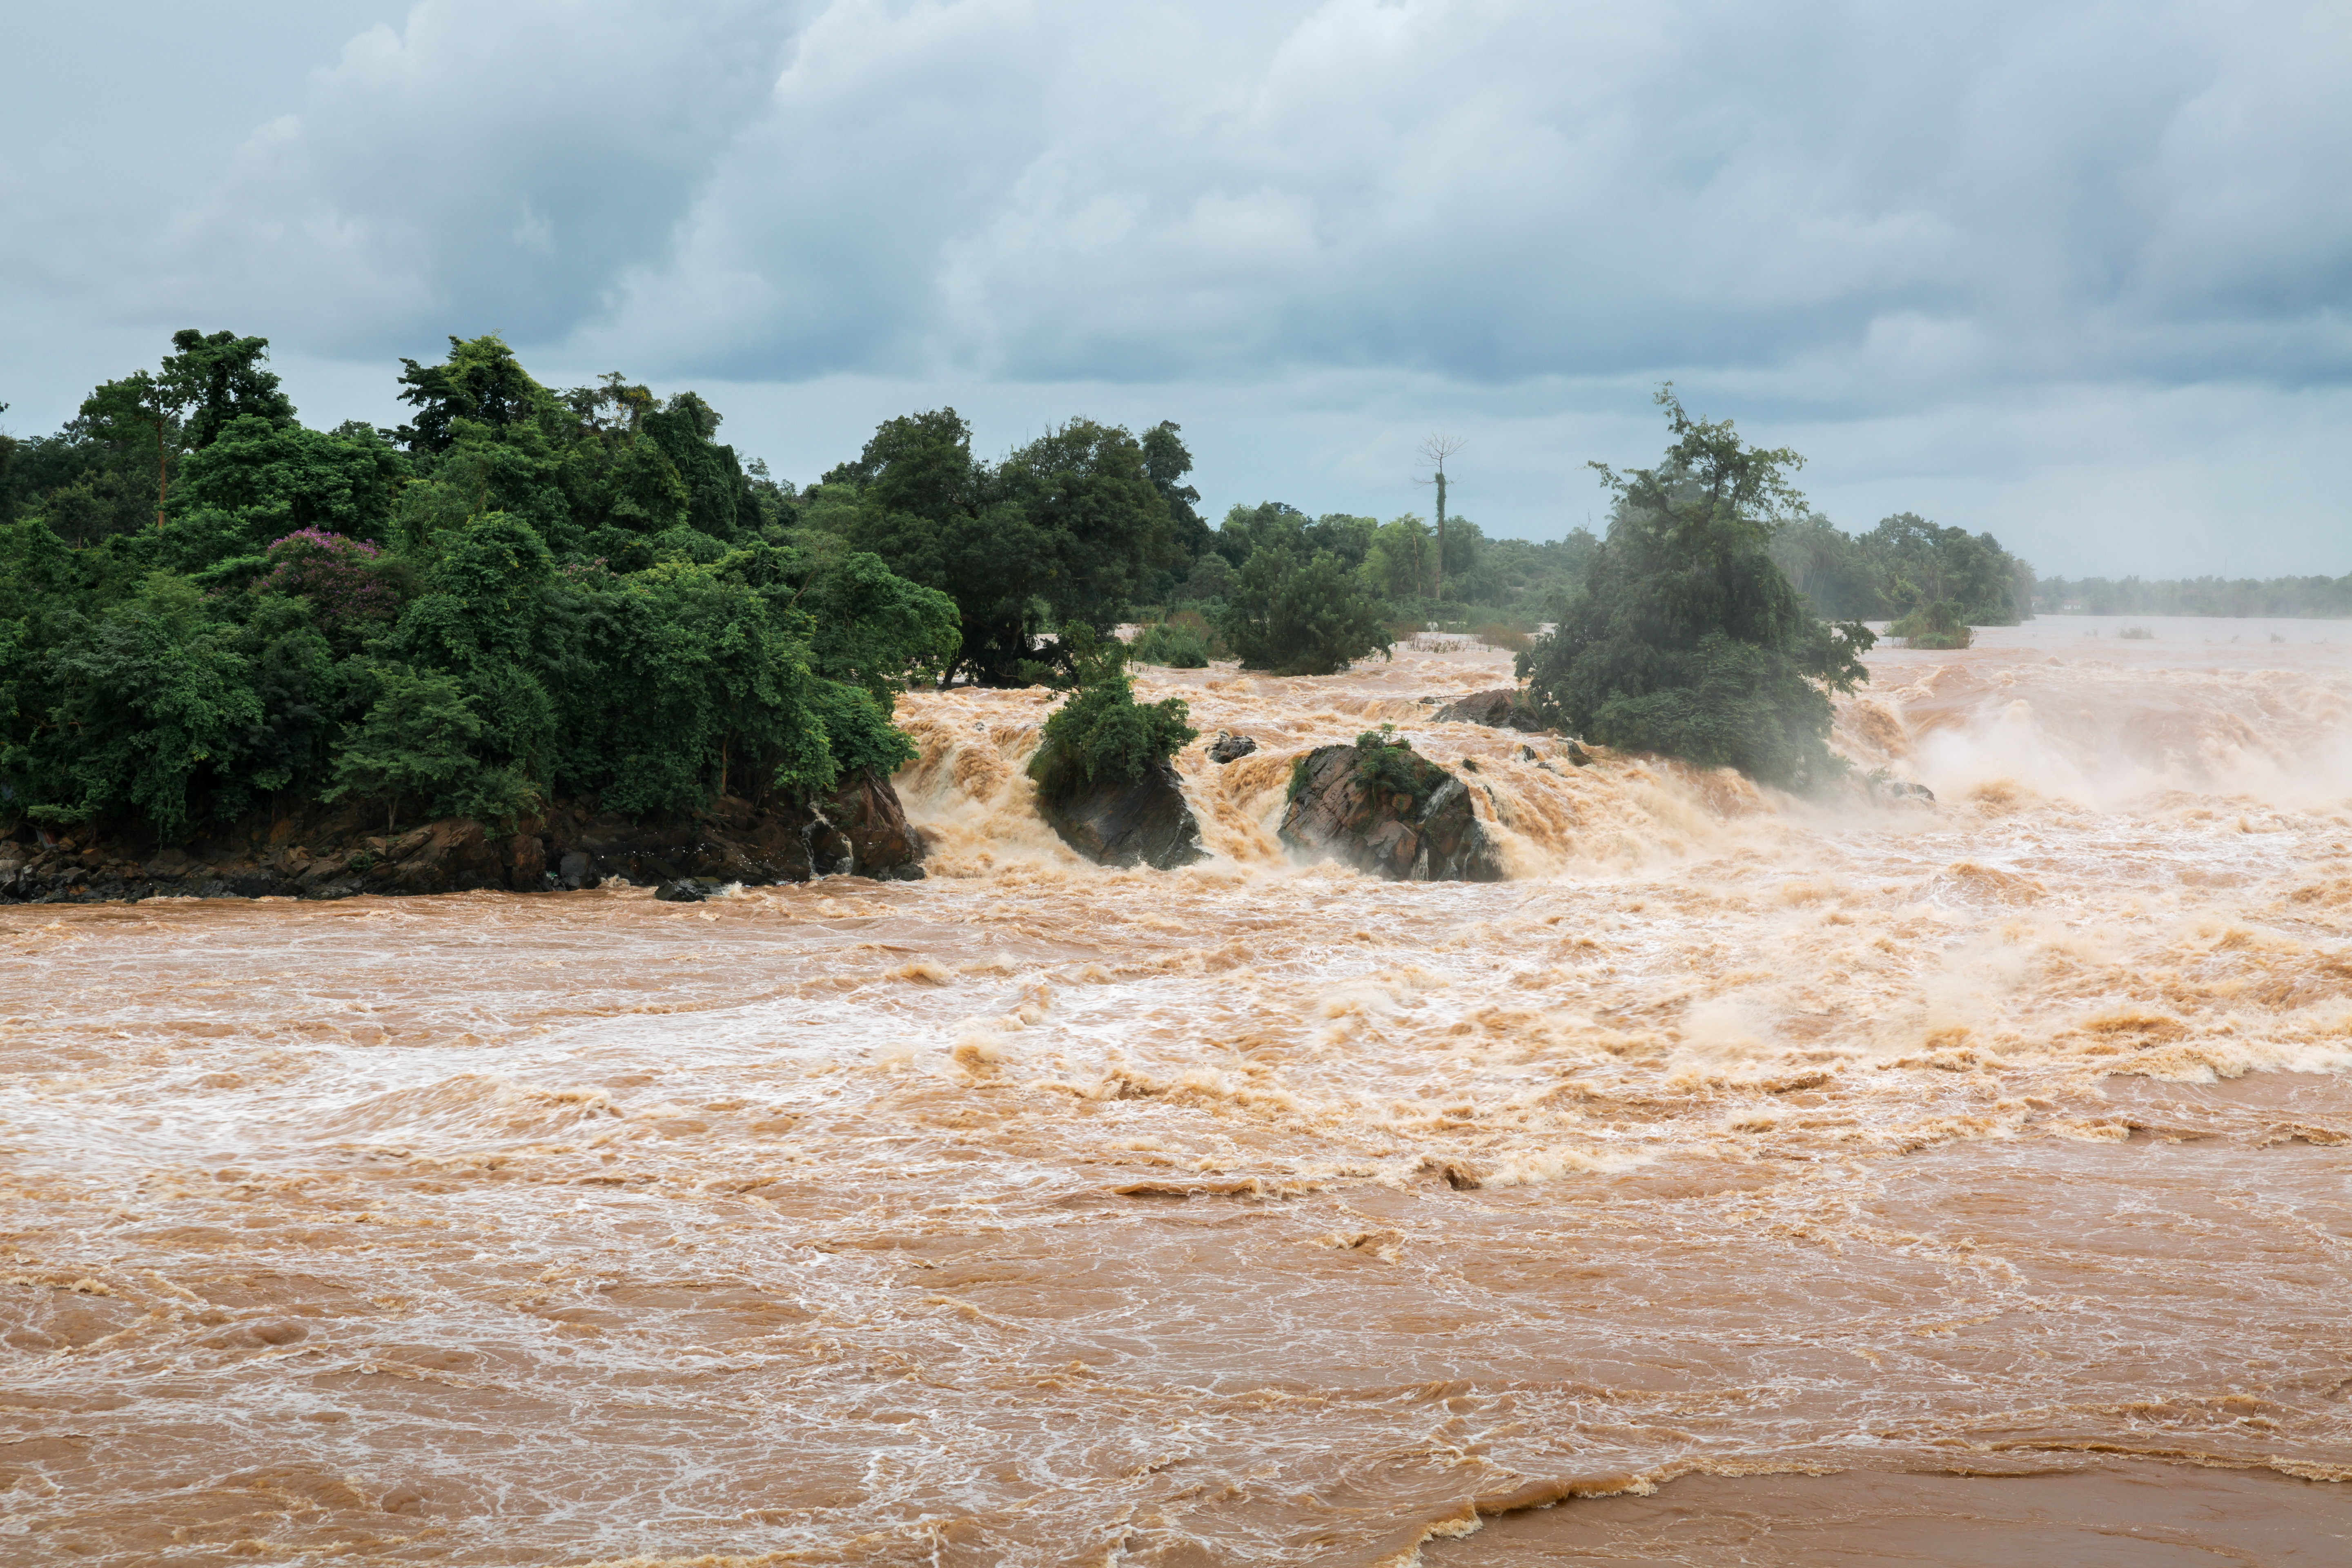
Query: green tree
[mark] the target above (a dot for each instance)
(1403, 559)
(256, 481)
(1101, 732)
(142, 708)
(1684, 638)
(140, 410)
(219, 378)
(1166, 461)
(417, 739)
(1064, 532)
(480, 381)
(1300, 617)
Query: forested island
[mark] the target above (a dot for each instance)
(528, 605)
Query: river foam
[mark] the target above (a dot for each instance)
(1252, 1213)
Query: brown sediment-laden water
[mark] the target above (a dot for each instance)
(1773, 1181)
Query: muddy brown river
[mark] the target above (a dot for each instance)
(1750, 1180)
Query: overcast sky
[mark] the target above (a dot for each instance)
(2078, 274)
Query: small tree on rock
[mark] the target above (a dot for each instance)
(1101, 733)
(1686, 637)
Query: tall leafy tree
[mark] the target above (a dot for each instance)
(416, 741)
(1686, 637)
(140, 410)
(218, 379)
(1065, 531)
(480, 381)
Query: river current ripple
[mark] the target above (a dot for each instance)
(1741, 1159)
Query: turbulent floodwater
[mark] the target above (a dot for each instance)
(1776, 1182)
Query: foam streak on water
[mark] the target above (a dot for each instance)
(1256, 1213)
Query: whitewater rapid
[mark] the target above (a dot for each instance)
(1257, 1211)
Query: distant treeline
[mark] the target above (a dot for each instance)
(2287, 596)
(1905, 564)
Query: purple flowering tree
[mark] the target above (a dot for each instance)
(337, 573)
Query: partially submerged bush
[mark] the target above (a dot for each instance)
(1101, 733)
(1505, 638)
(1170, 643)
(1685, 636)
(1937, 626)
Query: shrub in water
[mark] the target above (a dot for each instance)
(1685, 636)
(1101, 733)
(1937, 626)
(1168, 643)
(1386, 765)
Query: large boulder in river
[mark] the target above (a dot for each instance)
(1504, 708)
(1384, 809)
(1114, 821)
(865, 811)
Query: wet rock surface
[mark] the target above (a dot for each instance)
(1230, 747)
(1427, 834)
(1898, 792)
(1501, 708)
(321, 854)
(1129, 822)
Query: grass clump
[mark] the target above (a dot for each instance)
(1386, 765)
(1506, 639)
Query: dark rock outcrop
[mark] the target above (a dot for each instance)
(1122, 822)
(1428, 833)
(1896, 792)
(1230, 747)
(1504, 708)
(317, 853)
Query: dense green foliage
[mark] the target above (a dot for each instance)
(1100, 733)
(2329, 597)
(1394, 564)
(1903, 565)
(1067, 531)
(1300, 617)
(516, 595)
(1685, 636)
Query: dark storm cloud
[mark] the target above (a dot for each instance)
(1919, 198)
(1967, 252)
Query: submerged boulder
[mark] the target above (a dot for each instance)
(1141, 821)
(1385, 810)
(1886, 791)
(1230, 747)
(1504, 708)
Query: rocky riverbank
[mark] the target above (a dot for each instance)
(326, 853)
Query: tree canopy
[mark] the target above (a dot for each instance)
(1685, 636)
(520, 596)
